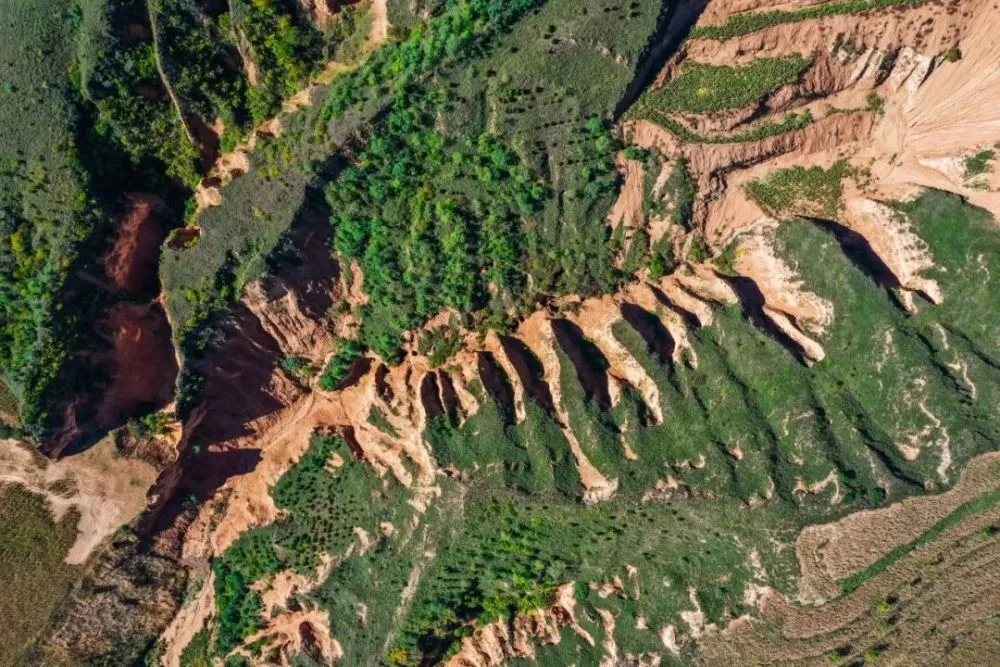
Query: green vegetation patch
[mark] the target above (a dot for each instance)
(806, 191)
(511, 552)
(340, 364)
(789, 123)
(980, 163)
(746, 23)
(48, 211)
(702, 88)
(327, 496)
(33, 576)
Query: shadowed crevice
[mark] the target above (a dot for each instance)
(591, 366)
(652, 331)
(689, 318)
(529, 370)
(752, 301)
(430, 396)
(497, 385)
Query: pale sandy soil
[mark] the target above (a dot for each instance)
(107, 489)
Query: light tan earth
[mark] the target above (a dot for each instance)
(830, 552)
(495, 644)
(188, 622)
(107, 489)
(932, 607)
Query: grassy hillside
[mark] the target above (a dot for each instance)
(509, 530)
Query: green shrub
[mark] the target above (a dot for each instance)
(681, 189)
(874, 102)
(298, 367)
(980, 163)
(339, 365)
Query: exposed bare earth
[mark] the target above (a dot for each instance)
(922, 610)
(108, 490)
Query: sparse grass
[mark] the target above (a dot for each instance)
(789, 123)
(701, 88)
(33, 577)
(744, 24)
(377, 419)
(798, 190)
(8, 406)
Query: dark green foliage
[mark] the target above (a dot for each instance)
(121, 78)
(48, 209)
(440, 344)
(661, 259)
(524, 570)
(239, 609)
(198, 652)
(681, 189)
(725, 261)
(420, 212)
(980, 163)
(284, 46)
(698, 251)
(149, 425)
(298, 367)
(462, 30)
(348, 352)
(953, 55)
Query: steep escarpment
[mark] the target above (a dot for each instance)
(766, 356)
(473, 371)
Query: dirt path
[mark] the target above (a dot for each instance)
(108, 490)
(380, 24)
